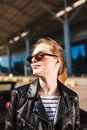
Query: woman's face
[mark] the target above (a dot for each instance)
(48, 65)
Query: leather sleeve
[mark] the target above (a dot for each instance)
(77, 122)
(10, 122)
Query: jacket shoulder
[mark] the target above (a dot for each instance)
(22, 89)
(69, 91)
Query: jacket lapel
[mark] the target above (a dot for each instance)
(33, 88)
(62, 108)
(61, 111)
(40, 111)
(33, 102)
(26, 102)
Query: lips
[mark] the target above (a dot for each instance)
(35, 66)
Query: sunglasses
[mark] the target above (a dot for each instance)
(39, 56)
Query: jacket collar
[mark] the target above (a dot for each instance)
(62, 108)
(34, 86)
(33, 89)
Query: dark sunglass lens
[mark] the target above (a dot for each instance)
(39, 56)
(29, 59)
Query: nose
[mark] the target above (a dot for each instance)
(33, 60)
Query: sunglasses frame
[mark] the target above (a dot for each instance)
(39, 56)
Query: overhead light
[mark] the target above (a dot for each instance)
(16, 38)
(62, 12)
(78, 3)
(24, 34)
(68, 9)
(11, 41)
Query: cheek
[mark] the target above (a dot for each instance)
(49, 65)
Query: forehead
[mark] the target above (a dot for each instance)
(42, 47)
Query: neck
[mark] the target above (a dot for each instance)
(48, 87)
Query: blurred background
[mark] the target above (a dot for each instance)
(23, 22)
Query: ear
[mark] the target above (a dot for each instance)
(57, 61)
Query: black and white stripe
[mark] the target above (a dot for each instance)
(50, 104)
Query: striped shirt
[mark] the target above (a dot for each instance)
(50, 103)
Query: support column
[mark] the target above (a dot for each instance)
(9, 59)
(67, 40)
(27, 47)
(26, 65)
(67, 46)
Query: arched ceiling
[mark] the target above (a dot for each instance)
(36, 16)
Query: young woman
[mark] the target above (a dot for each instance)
(46, 103)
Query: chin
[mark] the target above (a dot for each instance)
(36, 74)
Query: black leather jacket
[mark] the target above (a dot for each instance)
(27, 112)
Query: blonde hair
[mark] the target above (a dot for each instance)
(63, 77)
(57, 50)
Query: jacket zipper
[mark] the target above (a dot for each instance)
(24, 123)
(49, 124)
